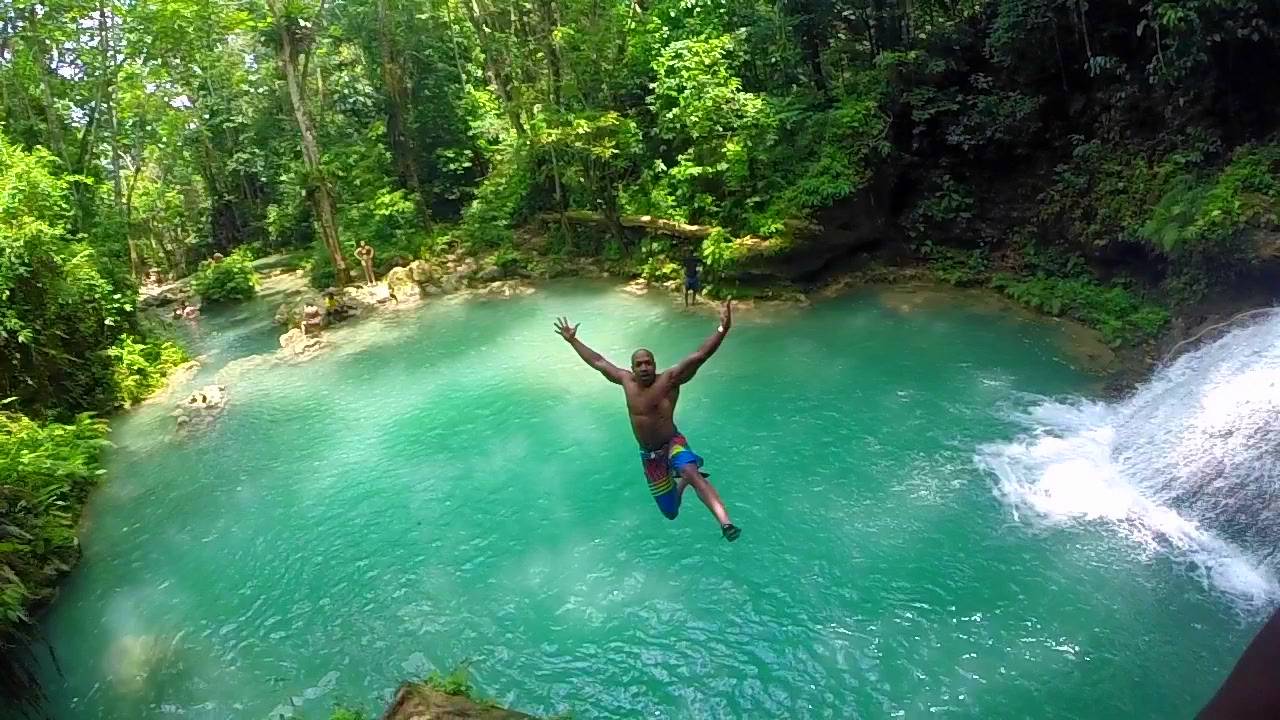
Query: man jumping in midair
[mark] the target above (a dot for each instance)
(669, 464)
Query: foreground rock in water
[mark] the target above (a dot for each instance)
(415, 701)
(298, 343)
(201, 407)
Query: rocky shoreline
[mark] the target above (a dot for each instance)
(305, 315)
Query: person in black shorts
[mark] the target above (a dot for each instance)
(691, 282)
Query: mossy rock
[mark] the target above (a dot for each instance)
(416, 701)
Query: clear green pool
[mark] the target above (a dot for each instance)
(452, 484)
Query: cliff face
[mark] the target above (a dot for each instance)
(415, 701)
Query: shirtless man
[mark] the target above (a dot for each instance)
(669, 464)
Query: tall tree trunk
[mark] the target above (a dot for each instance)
(323, 198)
(555, 174)
(493, 69)
(402, 145)
(453, 40)
(550, 21)
(887, 23)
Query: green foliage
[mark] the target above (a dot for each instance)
(660, 258)
(713, 127)
(58, 310)
(232, 279)
(595, 154)
(320, 271)
(457, 682)
(140, 367)
(948, 205)
(499, 201)
(1205, 216)
(962, 268)
(46, 471)
(840, 149)
(718, 252)
(1113, 310)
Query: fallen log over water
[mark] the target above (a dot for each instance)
(665, 227)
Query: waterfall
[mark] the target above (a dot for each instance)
(1189, 465)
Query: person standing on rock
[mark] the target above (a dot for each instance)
(669, 464)
(365, 253)
(692, 284)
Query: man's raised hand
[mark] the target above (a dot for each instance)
(726, 315)
(565, 330)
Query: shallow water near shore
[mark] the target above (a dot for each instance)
(452, 484)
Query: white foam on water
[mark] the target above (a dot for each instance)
(1188, 466)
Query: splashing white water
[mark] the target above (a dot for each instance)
(1189, 466)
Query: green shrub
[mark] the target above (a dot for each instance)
(949, 204)
(320, 271)
(1117, 313)
(1206, 216)
(962, 268)
(60, 304)
(457, 682)
(229, 280)
(46, 471)
(346, 713)
(499, 201)
(658, 260)
(717, 251)
(140, 367)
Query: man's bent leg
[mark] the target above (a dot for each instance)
(691, 475)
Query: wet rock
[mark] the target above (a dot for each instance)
(506, 289)
(154, 296)
(364, 297)
(292, 312)
(401, 285)
(639, 286)
(201, 407)
(452, 283)
(415, 701)
(298, 343)
(423, 273)
(493, 273)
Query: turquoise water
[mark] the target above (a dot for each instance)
(453, 484)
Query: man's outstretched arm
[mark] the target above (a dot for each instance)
(611, 372)
(684, 370)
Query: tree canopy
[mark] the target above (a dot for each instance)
(140, 136)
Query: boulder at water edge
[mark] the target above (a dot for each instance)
(363, 297)
(400, 283)
(423, 273)
(493, 273)
(289, 314)
(298, 343)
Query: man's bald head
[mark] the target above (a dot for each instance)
(644, 367)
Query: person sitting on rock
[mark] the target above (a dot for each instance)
(365, 253)
(335, 308)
